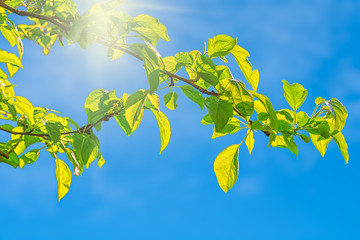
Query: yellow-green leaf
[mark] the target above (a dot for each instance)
(226, 167)
(295, 94)
(63, 177)
(164, 128)
(25, 107)
(340, 141)
(321, 145)
(220, 45)
(170, 100)
(250, 141)
(241, 57)
(7, 57)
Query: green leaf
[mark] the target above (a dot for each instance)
(340, 141)
(184, 59)
(170, 100)
(164, 128)
(220, 45)
(232, 126)
(25, 107)
(11, 58)
(226, 167)
(8, 34)
(13, 160)
(20, 144)
(295, 94)
(241, 57)
(290, 143)
(242, 99)
(130, 119)
(53, 129)
(269, 109)
(207, 120)
(63, 177)
(338, 111)
(305, 138)
(152, 64)
(319, 100)
(193, 95)
(150, 28)
(321, 145)
(206, 69)
(29, 157)
(250, 141)
(100, 159)
(220, 111)
(85, 148)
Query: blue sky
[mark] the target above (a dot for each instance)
(139, 194)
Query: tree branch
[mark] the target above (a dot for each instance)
(55, 20)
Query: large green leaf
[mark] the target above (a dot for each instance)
(340, 141)
(220, 45)
(193, 95)
(220, 111)
(241, 57)
(295, 94)
(164, 128)
(339, 112)
(63, 177)
(226, 167)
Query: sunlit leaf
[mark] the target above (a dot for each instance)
(250, 141)
(164, 128)
(193, 95)
(63, 177)
(29, 157)
(295, 94)
(339, 112)
(340, 141)
(170, 100)
(226, 167)
(220, 111)
(220, 45)
(241, 57)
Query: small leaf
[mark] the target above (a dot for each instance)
(170, 100)
(340, 141)
(11, 58)
(226, 167)
(63, 177)
(295, 94)
(193, 95)
(305, 138)
(250, 141)
(164, 128)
